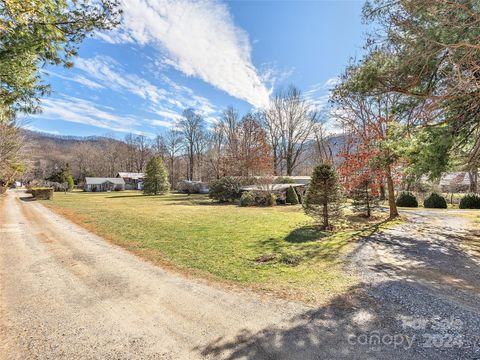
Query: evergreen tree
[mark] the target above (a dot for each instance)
(363, 199)
(156, 177)
(323, 197)
(292, 197)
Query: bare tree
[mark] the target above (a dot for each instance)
(159, 147)
(173, 145)
(290, 122)
(191, 125)
(323, 150)
(270, 121)
(138, 152)
(215, 152)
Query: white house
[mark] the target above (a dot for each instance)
(133, 181)
(104, 184)
(455, 182)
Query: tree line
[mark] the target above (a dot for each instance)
(285, 139)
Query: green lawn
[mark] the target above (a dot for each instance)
(272, 249)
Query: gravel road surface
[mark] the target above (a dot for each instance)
(68, 294)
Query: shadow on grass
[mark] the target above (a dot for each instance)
(306, 234)
(124, 196)
(310, 242)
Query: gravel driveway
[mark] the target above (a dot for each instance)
(67, 294)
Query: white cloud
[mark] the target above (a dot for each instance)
(162, 123)
(87, 113)
(331, 83)
(103, 69)
(168, 101)
(34, 128)
(80, 79)
(198, 38)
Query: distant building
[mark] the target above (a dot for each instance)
(305, 180)
(192, 187)
(455, 182)
(133, 181)
(280, 189)
(103, 184)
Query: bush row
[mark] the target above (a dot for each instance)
(436, 201)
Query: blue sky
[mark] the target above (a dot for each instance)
(169, 55)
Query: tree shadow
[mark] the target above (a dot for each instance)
(306, 234)
(27, 198)
(354, 325)
(123, 196)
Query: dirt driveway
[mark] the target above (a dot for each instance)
(67, 294)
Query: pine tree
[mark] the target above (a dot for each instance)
(292, 197)
(156, 177)
(323, 197)
(363, 197)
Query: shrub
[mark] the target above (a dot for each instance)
(435, 201)
(42, 193)
(70, 182)
(189, 187)
(247, 199)
(470, 201)
(225, 189)
(292, 197)
(270, 199)
(407, 199)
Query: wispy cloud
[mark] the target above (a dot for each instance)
(80, 80)
(169, 100)
(104, 70)
(34, 128)
(198, 38)
(331, 83)
(84, 112)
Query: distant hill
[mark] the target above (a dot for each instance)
(49, 152)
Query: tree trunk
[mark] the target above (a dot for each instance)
(325, 216)
(369, 213)
(191, 164)
(382, 192)
(473, 175)
(391, 195)
(275, 160)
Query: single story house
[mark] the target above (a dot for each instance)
(103, 184)
(305, 180)
(133, 181)
(455, 182)
(279, 189)
(192, 187)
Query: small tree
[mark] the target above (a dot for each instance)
(323, 197)
(363, 197)
(156, 177)
(70, 182)
(292, 197)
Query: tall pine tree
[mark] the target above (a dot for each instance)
(156, 178)
(323, 197)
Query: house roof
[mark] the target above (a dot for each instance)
(100, 180)
(270, 187)
(298, 179)
(131, 175)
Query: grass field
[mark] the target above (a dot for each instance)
(271, 249)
